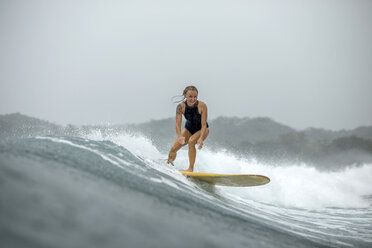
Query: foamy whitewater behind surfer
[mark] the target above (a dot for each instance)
(117, 191)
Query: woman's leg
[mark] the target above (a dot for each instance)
(176, 146)
(192, 150)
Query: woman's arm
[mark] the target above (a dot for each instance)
(204, 116)
(179, 112)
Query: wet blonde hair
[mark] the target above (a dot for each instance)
(191, 87)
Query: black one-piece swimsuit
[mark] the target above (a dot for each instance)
(193, 118)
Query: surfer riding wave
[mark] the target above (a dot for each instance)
(196, 128)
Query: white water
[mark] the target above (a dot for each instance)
(292, 185)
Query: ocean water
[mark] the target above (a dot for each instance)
(117, 191)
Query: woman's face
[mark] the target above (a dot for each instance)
(191, 97)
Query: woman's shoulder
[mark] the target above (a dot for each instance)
(202, 104)
(202, 107)
(182, 104)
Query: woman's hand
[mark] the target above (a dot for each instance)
(181, 140)
(200, 143)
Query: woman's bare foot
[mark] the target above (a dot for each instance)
(171, 157)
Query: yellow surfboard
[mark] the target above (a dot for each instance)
(236, 180)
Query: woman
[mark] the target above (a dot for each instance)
(196, 128)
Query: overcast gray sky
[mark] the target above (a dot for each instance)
(301, 63)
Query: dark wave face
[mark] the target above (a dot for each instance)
(118, 191)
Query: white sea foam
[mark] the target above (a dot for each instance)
(295, 185)
(292, 185)
(137, 144)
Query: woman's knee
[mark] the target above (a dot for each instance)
(192, 142)
(175, 148)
